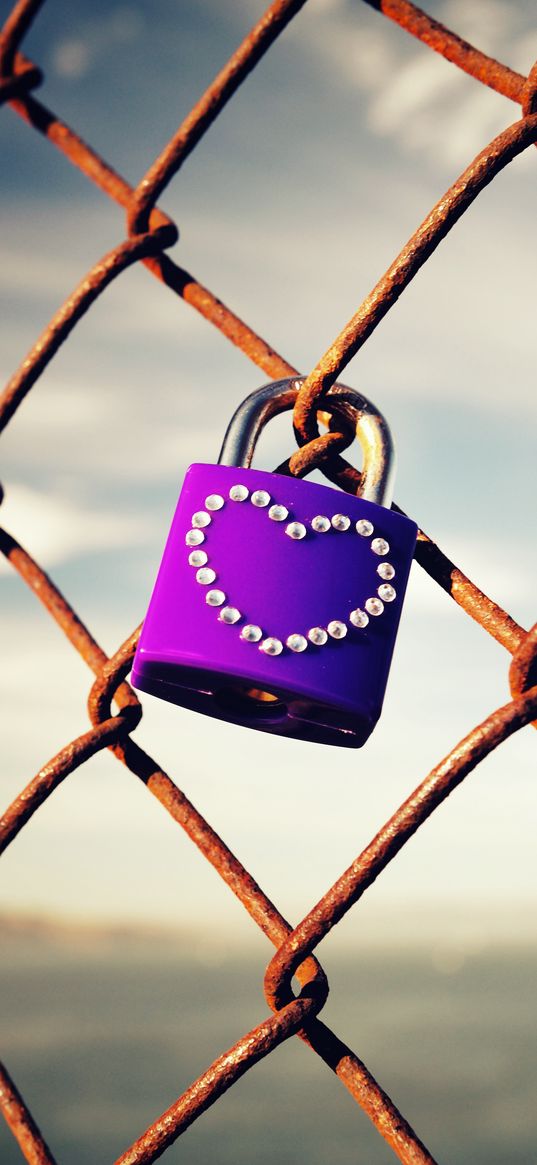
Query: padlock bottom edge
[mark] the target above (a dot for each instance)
(236, 702)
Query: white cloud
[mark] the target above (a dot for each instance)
(434, 110)
(415, 86)
(55, 529)
(426, 105)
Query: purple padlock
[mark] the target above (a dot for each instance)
(277, 601)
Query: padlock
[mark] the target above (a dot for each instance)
(278, 599)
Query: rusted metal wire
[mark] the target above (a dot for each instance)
(21, 1122)
(72, 310)
(452, 47)
(219, 1077)
(151, 232)
(15, 27)
(24, 77)
(206, 110)
(52, 774)
(109, 684)
(350, 887)
(420, 247)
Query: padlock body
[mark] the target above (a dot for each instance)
(285, 588)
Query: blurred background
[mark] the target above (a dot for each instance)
(129, 964)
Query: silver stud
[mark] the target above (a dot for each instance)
(229, 615)
(341, 522)
(364, 528)
(359, 618)
(271, 646)
(336, 629)
(205, 575)
(380, 546)
(374, 606)
(251, 633)
(318, 636)
(200, 518)
(387, 593)
(198, 558)
(239, 493)
(296, 530)
(195, 538)
(215, 598)
(278, 513)
(297, 643)
(260, 497)
(320, 524)
(214, 502)
(385, 570)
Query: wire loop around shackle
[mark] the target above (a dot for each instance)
(372, 431)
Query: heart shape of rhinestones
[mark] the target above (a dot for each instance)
(206, 575)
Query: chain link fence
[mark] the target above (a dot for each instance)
(149, 234)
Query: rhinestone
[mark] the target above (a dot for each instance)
(318, 636)
(359, 618)
(271, 646)
(194, 538)
(201, 518)
(205, 575)
(260, 497)
(215, 598)
(374, 606)
(214, 502)
(278, 513)
(198, 558)
(341, 522)
(336, 629)
(386, 570)
(320, 524)
(229, 615)
(387, 593)
(297, 643)
(238, 493)
(380, 546)
(364, 528)
(295, 530)
(251, 633)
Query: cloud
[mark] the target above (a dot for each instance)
(426, 106)
(54, 529)
(74, 57)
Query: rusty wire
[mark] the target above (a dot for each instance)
(149, 233)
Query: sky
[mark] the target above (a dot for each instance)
(290, 209)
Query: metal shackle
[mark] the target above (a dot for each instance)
(372, 431)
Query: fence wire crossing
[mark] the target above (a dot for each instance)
(149, 234)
